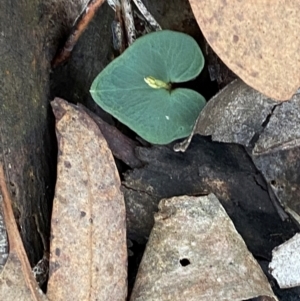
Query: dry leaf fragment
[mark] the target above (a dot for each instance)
(258, 40)
(88, 258)
(282, 131)
(194, 253)
(16, 279)
(276, 154)
(285, 264)
(235, 114)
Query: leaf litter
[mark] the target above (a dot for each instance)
(88, 258)
(57, 252)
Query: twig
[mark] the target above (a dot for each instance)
(117, 27)
(128, 21)
(86, 3)
(15, 241)
(147, 15)
(76, 31)
(113, 4)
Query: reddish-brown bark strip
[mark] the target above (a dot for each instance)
(76, 32)
(15, 241)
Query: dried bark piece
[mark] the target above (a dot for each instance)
(16, 279)
(147, 15)
(88, 246)
(282, 131)
(14, 286)
(281, 171)
(285, 264)
(3, 241)
(270, 131)
(258, 41)
(235, 114)
(195, 253)
(276, 154)
(26, 136)
(120, 145)
(223, 169)
(128, 21)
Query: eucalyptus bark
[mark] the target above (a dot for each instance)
(27, 144)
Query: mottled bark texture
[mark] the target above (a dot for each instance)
(30, 32)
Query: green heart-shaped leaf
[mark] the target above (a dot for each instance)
(136, 87)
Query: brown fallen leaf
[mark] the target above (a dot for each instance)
(257, 40)
(16, 279)
(194, 253)
(88, 258)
